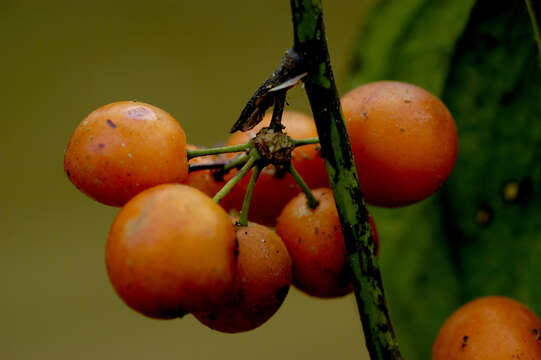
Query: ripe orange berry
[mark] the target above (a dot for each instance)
(261, 282)
(172, 250)
(315, 242)
(274, 190)
(124, 148)
(404, 141)
(490, 328)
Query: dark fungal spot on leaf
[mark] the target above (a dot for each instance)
(111, 124)
(212, 316)
(508, 97)
(68, 173)
(464, 341)
(484, 215)
(537, 334)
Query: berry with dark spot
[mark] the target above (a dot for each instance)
(319, 257)
(124, 148)
(496, 328)
(404, 141)
(262, 280)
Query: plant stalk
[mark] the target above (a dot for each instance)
(243, 220)
(306, 141)
(312, 201)
(254, 156)
(311, 46)
(236, 162)
(279, 102)
(217, 150)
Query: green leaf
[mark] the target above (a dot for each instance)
(481, 235)
(421, 286)
(494, 92)
(410, 40)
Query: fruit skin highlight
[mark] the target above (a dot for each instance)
(124, 148)
(172, 250)
(404, 141)
(315, 242)
(262, 281)
(489, 328)
(274, 190)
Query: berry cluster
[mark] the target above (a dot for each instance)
(177, 246)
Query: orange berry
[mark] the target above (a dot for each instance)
(124, 148)
(261, 282)
(315, 242)
(490, 328)
(172, 250)
(404, 141)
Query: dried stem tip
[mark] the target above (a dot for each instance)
(274, 147)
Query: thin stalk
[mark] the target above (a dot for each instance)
(235, 179)
(243, 220)
(311, 45)
(312, 201)
(217, 150)
(307, 141)
(236, 162)
(279, 102)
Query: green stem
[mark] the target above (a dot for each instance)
(307, 141)
(236, 162)
(217, 150)
(311, 45)
(312, 201)
(535, 27)
(254, 156)
(243, 220)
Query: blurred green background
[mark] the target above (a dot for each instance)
(200, 61)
